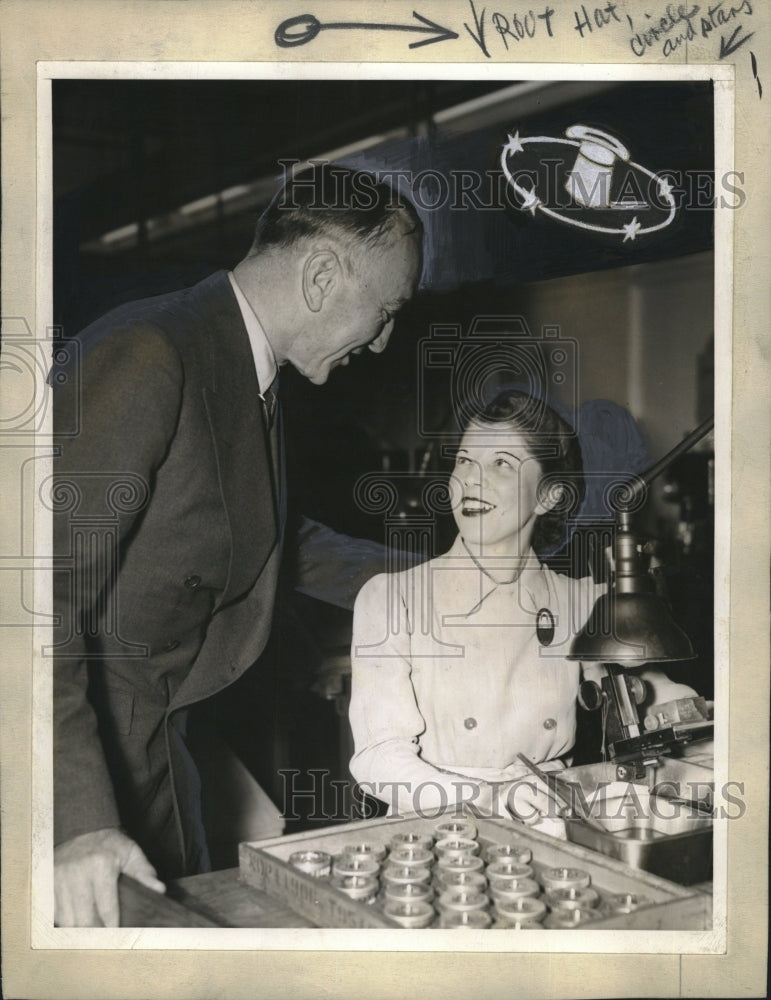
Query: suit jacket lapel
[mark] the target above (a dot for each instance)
(241, 447)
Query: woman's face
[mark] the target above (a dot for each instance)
(494, 489)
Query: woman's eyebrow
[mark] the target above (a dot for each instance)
(510, 455)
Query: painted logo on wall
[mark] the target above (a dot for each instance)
(597, 187)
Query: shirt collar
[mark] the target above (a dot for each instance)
(459, 585)
(262, 352)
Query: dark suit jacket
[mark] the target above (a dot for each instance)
(167, 535)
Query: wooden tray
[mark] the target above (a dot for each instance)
(265, 865)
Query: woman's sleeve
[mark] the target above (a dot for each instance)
(385, 718)
(661, 688)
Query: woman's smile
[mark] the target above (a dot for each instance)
(474, 507)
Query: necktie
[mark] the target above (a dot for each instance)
(270, 402)
(275, 445)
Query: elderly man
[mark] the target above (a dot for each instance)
(169, 515)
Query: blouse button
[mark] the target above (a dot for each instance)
(549, 723)
(193, 582)
(470, 723)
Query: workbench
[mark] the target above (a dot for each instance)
(216, 899)
(268, 891)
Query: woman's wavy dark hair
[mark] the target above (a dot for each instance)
(554, 443)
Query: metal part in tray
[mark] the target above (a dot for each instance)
(265, 865)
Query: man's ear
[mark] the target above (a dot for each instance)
(321, 272)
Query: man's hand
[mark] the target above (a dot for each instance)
(86, 871)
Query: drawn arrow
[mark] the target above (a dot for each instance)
(755, 74)
(727, 48)
(303, 29)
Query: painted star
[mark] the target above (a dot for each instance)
(529, 200)
(513, 145)
(631, 229)
(665, 188)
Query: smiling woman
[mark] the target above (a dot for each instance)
(460, 665)
(517, 478)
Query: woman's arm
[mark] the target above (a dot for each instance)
(660, 688)
(385, 718)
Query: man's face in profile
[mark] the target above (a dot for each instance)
(375, 281)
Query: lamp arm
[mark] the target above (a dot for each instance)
(632, 493)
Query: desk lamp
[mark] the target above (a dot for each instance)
(629, 626)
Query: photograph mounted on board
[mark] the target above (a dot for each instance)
(384, 505)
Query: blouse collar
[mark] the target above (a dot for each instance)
(459, 585)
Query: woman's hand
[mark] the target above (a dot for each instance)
(531, 802)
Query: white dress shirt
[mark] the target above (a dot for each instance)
(262, 352)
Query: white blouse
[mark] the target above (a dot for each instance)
(451, 678)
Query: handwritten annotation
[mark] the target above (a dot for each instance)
(657, 31)
(684, 22)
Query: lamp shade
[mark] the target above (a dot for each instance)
(631, 629)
